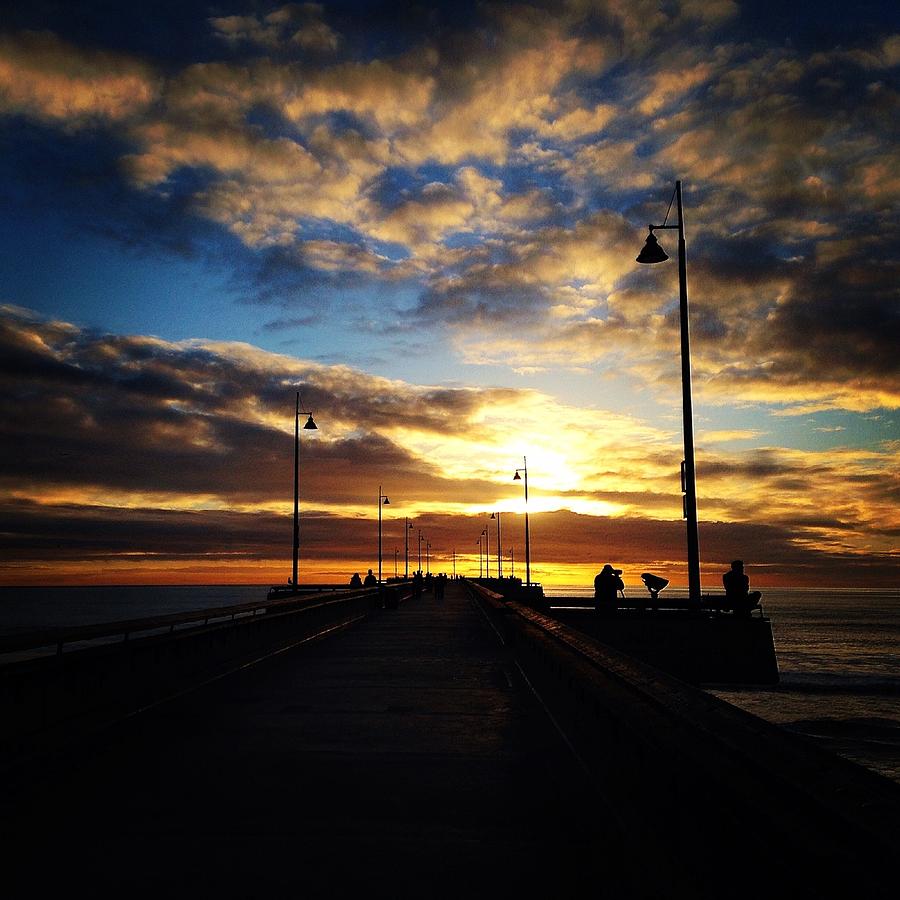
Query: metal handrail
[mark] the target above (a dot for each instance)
(34, 640)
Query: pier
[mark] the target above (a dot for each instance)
(383, 745)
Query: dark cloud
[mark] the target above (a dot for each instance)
(848, 315)
(43, 534)
(289, 324)
(136, 414)
(91, 415)
(482, 298)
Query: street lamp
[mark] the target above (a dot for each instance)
(479, 557)
(427, 557)
(420, 549)
(518, 477)
(406, 535)
(650, 254)
(382, 501)
(396, 555)
(487, 551)
(309, 426)
(499, 546)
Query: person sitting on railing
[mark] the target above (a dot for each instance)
(371, 580)
(607, 585)
(737, 590)
(356, 581)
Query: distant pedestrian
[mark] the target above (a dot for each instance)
(371, 580)
(417, 583)
(356, 581)
(439, 585)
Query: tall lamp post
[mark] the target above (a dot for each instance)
(499, 546)
(653, 253)
(406, 535)
(485, 533)
(382, 501)
(420, 549)
(518, 477)
(309, 426)
(479, 557)
(427, 557)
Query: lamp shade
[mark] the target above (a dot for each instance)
(651, 251)
(310, 425)
(517, 477)
(386, 501)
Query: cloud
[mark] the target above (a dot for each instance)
(579, 122)
(295, 25)
(476, 110)
(45, 77)
(500, 163)
(670, 86)
(100, 429)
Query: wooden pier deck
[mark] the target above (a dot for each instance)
(405, 756)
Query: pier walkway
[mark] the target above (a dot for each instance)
(404, 756)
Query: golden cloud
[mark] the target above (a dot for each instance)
(43, 76)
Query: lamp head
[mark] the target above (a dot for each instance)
(517, 476)
(310, 425)
(493, 515)
(385, 501)
(651, 251)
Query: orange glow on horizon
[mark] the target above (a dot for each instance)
(274, 572)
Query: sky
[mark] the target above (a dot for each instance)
(425, 218)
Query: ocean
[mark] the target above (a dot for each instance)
(838, 652)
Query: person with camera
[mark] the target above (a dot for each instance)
(607, 586)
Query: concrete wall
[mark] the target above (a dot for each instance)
(701, 648)
(723, 802)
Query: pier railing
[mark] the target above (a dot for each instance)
(706, 787)
(83, 676)
(77, 636)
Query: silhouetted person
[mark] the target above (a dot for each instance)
(356, 581)
(737, 590)
(606, 588)
(371, 580)
(417, 583)
(439, 584)
(428, 582)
